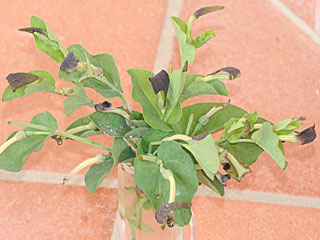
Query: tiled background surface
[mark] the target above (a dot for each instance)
(280, 78)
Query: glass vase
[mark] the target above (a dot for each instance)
(136, 216)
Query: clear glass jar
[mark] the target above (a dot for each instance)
(136, 211)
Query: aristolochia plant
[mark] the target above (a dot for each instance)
(170, 147)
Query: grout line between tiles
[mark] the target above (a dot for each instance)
(165, 46)
(296, 20)
(245, 195)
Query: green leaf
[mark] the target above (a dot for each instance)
(139, 123)
(120, 150)
(268, 141)
(110, 123)
(14, 156)
(97, 173)
(237, 128)
(215, 123)
(83, 122)
(187, 51)
(206, 154)
(286, 126)
(214, 87)
(175, 86)
(103, 61)
(143, 93)
(78, 99)
(148, 177)
(214, 185)
(153, 136)
(137, 132)
(44, 119)
(203, 38)
(45, 83)
(145, 228)
(48, 42)
(246, 153)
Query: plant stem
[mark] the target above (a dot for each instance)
(30, 125)
(31, 133)
(132, 143)
(116, 90)
(84, 140)
(169, 112)
(78, 168)
(189, 124)
(125, 103)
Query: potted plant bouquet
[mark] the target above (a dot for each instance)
(163, 152)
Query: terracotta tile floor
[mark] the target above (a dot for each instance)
(280, 78)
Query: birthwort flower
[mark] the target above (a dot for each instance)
(233, 72)
(159, 82)
(17, 80)
(69, 63)
(304, 137)
(33, 30)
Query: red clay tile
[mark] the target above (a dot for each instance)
(279, 79)
(129, 30)
(305, 9)
(49, 211)
(232, 219)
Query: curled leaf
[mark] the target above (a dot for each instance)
(233, 72)
(159, 82)
(205, 10)
(307, 135)
(17, 80)
(69, 63)
(163, 214)
(102, 107)
(33, 30)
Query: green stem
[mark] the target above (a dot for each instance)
(132, 143)
(245, 141)
(189, 124)
(31, 133)
(188, 33)
(30, 125)
(98, 159)
(84, 140)
(169, 112)
(116, 90)
(125, 103)
(55, 92)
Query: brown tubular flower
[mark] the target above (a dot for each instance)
(101, 107)
(185, 67)
(200, 137)
(164, 212)
(233, 72)
(69, 63)
(159, 82)
(205, 10)
(306, 136)
(223, 178)
(33, 30)
(17, 80)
